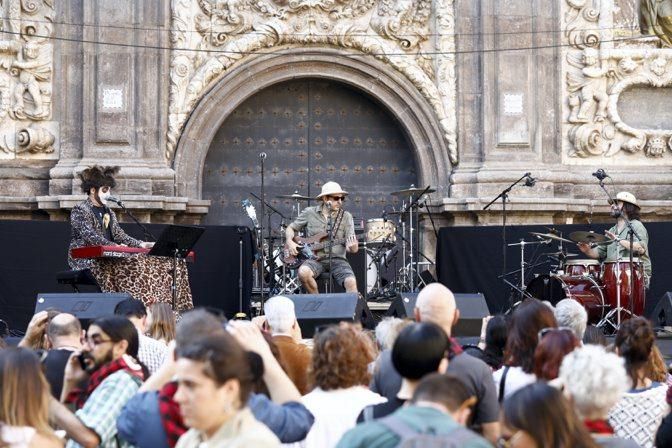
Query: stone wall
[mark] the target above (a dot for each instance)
(488, 90)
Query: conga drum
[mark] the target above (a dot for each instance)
(632, 286)
(578, 268)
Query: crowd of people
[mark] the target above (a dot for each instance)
(539, 377)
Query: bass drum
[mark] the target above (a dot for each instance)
(583, 289)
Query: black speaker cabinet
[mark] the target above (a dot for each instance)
(313, 310)
(662, 313)
(473, 308)
(85, 306)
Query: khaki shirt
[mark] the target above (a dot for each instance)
(313, 221)
(613, 251)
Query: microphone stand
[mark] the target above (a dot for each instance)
(147, 234)
(262, 158)
(414, 239)
(505, 195)
(330, 232)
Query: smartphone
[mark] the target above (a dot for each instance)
(85, 361)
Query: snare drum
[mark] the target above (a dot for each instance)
(380, 231)
(578, 268)
(583, 289)
(631, 287)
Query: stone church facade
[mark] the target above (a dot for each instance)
(461, 95)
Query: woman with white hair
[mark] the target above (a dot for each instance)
(594, 381)
(571, 314)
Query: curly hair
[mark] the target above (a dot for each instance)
(634, 342)
(98, 176)
(595, 379)
(341, 355)
(551, 350)
(528, 319)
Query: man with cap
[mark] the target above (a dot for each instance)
(317, 219)
(624, 207)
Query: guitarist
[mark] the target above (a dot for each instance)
(315, 220)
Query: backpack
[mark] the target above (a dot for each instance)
(426, 438)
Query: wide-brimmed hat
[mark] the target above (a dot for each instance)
(625, 196)
(330, 189)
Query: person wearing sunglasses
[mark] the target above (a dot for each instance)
(317, 220)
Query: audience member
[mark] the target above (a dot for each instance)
(64, 336)
(161, 322)
(387, 331)
(151, 419)
(109, 370)
(151, 352)
(341, 354)
(24, 402)
(638, 413)
(420, 349)
(438, 411)
(539, 416)
(286, 334)
(436, 303)
(594, 380)
(571, 314)
(594, 335)
(491, 345)
(664, 434)
(214, 382)
(528, 319)
(554, 344)
(656, 369)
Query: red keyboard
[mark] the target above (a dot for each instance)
(112, 252)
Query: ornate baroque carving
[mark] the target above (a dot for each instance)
(26, 66)
(395, 32)
(598, 68)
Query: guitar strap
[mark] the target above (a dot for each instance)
(339, 218)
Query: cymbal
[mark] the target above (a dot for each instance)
(296, 196)
(587, 237)
(413, 190)
(559, 253)
(550, 236)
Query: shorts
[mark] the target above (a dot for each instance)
(340, 268)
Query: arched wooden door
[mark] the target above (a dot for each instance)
(312, 131)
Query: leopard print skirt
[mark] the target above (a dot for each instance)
(146, 278)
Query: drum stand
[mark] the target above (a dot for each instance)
(617, 311)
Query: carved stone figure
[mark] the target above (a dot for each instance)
(34, 69)
(34, 141)
(655, 147)
(592, 87)
(655, 18)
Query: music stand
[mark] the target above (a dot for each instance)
(176, 242)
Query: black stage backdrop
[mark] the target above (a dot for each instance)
(469, 259)
(34, 251)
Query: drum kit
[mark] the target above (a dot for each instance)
(385, 239)
(610, 291)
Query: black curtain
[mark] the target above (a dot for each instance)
(469, 259)
(36, 250)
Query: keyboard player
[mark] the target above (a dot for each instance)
(92, 222)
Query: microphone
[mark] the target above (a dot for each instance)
(600, 174)
(262, 155)
(115, 200)
(530, 181)
(329, 204)
(384, 215)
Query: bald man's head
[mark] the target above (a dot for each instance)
(436, 303)
(63, 327)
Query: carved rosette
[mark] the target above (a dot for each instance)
(393, 31)
(26, 76)
(597, 69)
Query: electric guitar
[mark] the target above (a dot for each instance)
(308, 247)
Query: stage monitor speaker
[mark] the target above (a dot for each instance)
(473, 308)
(662, 313)
(314, 310)
(84, 306)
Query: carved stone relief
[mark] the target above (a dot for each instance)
(26, 74)
(599, 64)
(396, 32)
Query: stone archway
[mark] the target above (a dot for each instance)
(388, 87)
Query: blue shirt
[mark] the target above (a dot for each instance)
(140, 420)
